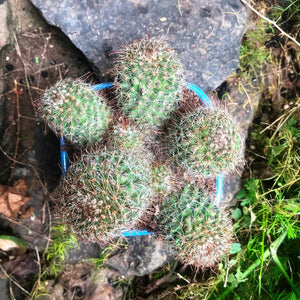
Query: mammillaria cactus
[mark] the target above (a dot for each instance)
(206, 142)
(72, 108)
(106, 192)
(149, 80)
(200, 231)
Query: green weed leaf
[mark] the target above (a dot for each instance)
(235, 248)
(236, 214)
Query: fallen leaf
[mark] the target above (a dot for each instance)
(13, 199)
(12, 245)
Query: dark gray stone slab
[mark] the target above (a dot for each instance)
(143, 255)
(206, 33)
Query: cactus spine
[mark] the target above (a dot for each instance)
(72, 108)
(150, 79)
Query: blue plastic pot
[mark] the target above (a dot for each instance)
(219, 178)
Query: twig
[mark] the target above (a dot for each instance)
(24, 65)
(284, 116)
(24, 226)
(181, 277)
(271, 22)
(45, 190)
(43, 58)
(170, 277)
(13, 280)
(38, 280)
(38, 260)
(179, 8)
(17, 93)
(12, 296)
(16, 161)
(10, 158)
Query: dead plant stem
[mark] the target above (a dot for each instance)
(285, 117)
(18, 223)
(271, 22)
(17, 132)
(24, 65)
(13, 280)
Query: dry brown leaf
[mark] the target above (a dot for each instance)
(13, 198)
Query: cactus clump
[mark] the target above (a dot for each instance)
(72, 108)
(206, 142)
(200, 231)
(108, 191)
(149, 80)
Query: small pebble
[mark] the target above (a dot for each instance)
(44, 74)
(9, 67)
(252, 147)
(238, 70)
(52, 62)
(7, 58)
(291, 103)
(292, 76)
(286, 106)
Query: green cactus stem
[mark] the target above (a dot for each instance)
(206, 142)
(72, 108)
(149, 80)
(106, 192)
(136, 137)
(199, 231)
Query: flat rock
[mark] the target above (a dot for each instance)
(143, 255)
(206, 34)
(4, 33)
